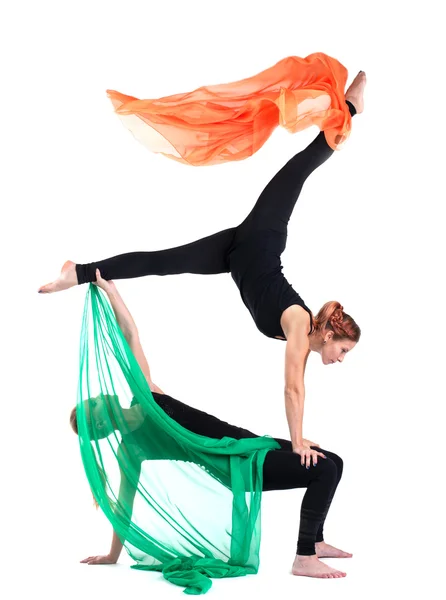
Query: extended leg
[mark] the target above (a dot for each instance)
(206, 256)
(275, 205)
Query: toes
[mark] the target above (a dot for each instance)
(47, 289)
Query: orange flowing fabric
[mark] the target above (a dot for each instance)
(228, 122)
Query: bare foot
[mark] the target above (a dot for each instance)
(66, 279)
(355, 93)
(324, 550)
(311, 566)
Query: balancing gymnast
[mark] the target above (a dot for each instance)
(251, 253)
(282, 469)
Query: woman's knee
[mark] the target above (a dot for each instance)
(338, 462)
(327, 469)
(336, 459)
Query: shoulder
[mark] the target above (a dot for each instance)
(298, 341)
(295, 321)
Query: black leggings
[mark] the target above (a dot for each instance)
(210, 255)
(282, 469)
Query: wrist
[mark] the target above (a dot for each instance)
(111, 290)
(115, 553)
(113, 557)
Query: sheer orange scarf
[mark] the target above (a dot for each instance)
(231, 121)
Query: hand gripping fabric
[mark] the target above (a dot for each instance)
(229, 122)
(182, 503)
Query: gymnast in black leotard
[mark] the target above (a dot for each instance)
(251, 253)
(283, 469)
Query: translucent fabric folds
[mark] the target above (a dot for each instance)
(227, 122)
(181, 503)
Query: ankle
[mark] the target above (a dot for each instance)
(350, 101)
(306, 557)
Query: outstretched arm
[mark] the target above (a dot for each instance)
(296, 355)
(128, 327)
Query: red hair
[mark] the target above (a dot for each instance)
(73, 421)
(332, 317)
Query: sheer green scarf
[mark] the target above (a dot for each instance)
(181, 503)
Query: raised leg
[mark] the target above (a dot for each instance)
(275, 205)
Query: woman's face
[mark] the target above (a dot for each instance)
(99, 417)
(333, 352)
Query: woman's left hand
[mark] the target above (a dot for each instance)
(100, 560)
(107, 286)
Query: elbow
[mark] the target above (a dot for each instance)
(131, 334)
(294, 393)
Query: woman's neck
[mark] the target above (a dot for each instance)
(133, 418)
(316, 341)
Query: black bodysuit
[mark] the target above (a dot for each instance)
(250, 252)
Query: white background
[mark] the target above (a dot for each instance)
(366, 231)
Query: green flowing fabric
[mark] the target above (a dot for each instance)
(183, 504)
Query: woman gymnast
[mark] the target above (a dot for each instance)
(251, 253)
(282, 468)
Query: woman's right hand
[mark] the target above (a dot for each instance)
(100, 560)
(107, 286)
(307, 455)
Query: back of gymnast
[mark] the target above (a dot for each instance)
(283, 469)
(251, 253)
